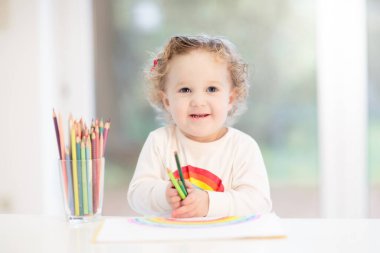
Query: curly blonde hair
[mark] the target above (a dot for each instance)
(180, 45)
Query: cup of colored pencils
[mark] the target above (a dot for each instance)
(81, 166)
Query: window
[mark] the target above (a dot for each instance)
(373, 12)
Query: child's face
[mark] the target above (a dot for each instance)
(199, 94)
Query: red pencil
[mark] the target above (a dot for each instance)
(61, 136)
(98, 162)
(95, 184)
(62, 140)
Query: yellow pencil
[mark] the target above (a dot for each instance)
(176, 185)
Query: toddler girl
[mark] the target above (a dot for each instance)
(199, 84)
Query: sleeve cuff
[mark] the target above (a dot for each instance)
(160, 196)
(218, 204)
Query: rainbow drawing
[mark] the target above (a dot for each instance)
(191, 223)
(201, 178)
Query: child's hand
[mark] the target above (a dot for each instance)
(172, 196)
(194, 205)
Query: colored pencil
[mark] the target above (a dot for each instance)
(61, 137)
(182, 186)
(70, 182)
(89, 174)
(97, 141)
(84, 177)
(98, 165)
(63, 155)
(57, 135)
(176, 185)
(101, 145)
(75, 171)
(94, 172)
(101, 126)
(106, 129)
(79, 129)
(180, 171)
(80, 186)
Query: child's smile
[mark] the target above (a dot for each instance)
(199, 116)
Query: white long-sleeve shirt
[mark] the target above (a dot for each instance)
(231, 169)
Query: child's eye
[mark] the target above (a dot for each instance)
(184, 90)
(212, 89)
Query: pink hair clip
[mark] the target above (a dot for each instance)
(155, 62)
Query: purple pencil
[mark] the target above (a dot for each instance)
(57, 134)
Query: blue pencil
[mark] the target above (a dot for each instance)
(70, 182)
(80, 188)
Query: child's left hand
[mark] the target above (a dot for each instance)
(195, 204)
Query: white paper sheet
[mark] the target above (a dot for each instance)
(126, 229)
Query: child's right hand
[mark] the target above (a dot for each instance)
(172, 196)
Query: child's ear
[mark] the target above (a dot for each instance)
(164, 100)
(232, 98)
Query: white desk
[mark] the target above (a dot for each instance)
(27, 233)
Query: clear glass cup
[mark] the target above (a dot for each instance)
(82, 183)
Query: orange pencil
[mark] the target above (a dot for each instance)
(101, 145)
(106, 129)
(97, 140)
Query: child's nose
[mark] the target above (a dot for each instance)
(198, 99)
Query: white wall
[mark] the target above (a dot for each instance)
(21, 178)
(46, 61)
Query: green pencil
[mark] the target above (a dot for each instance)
(75, 169)
(176, 185)
(180, 172)
(183, 188)
(84, 177)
